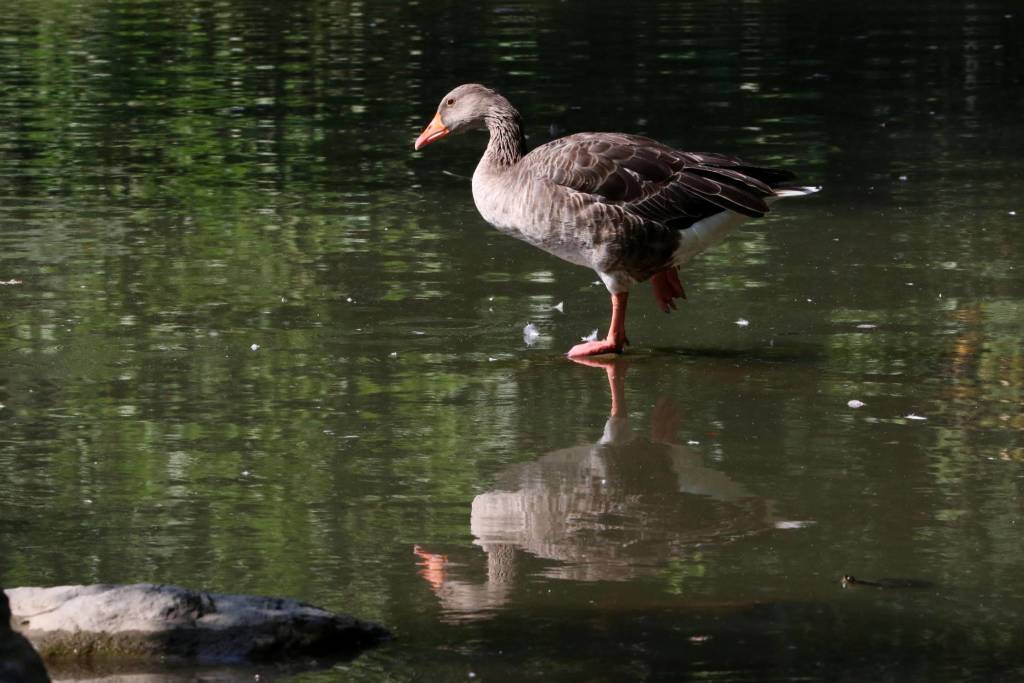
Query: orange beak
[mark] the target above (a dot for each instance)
(435, 131)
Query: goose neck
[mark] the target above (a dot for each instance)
(507, 145)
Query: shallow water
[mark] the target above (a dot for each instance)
(251, 342)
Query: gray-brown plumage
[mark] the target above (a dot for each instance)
(627, 206)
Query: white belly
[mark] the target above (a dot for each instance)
(704, 234)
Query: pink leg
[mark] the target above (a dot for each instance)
(616, 338)
(666, 287)
(433, 567)
(615, 369)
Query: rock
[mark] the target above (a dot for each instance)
(147, 621)
(19, 663)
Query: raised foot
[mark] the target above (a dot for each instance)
(666, 287)
(594, 348)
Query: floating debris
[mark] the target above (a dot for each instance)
(848, 581)
(794, 524)
(691, 442)
(12, 281)
(914, 416)
(1011, 213)
(867, 326)
(854, 403)
(742, 322)
(393, 354)
(255, 347)
(590, 337)
(560, 307)
(530, 334)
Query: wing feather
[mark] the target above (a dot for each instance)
(653, 181)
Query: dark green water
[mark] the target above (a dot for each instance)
(251, 342)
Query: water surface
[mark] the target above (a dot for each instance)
(251, 342)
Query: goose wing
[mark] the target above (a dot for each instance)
(653, 181)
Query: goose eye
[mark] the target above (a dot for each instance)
(451, 101)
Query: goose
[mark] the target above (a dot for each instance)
(628, 207)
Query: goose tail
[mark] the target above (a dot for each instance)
(799, 191)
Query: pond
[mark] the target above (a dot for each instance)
(251, 342)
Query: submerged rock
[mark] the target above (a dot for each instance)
(144, 621)
(160, 672)
(19, 663)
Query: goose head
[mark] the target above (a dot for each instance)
(467, 107)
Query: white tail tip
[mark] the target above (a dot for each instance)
(797, 191)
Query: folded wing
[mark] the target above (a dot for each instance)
(653, 181)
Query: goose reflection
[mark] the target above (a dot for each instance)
(610, 511)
